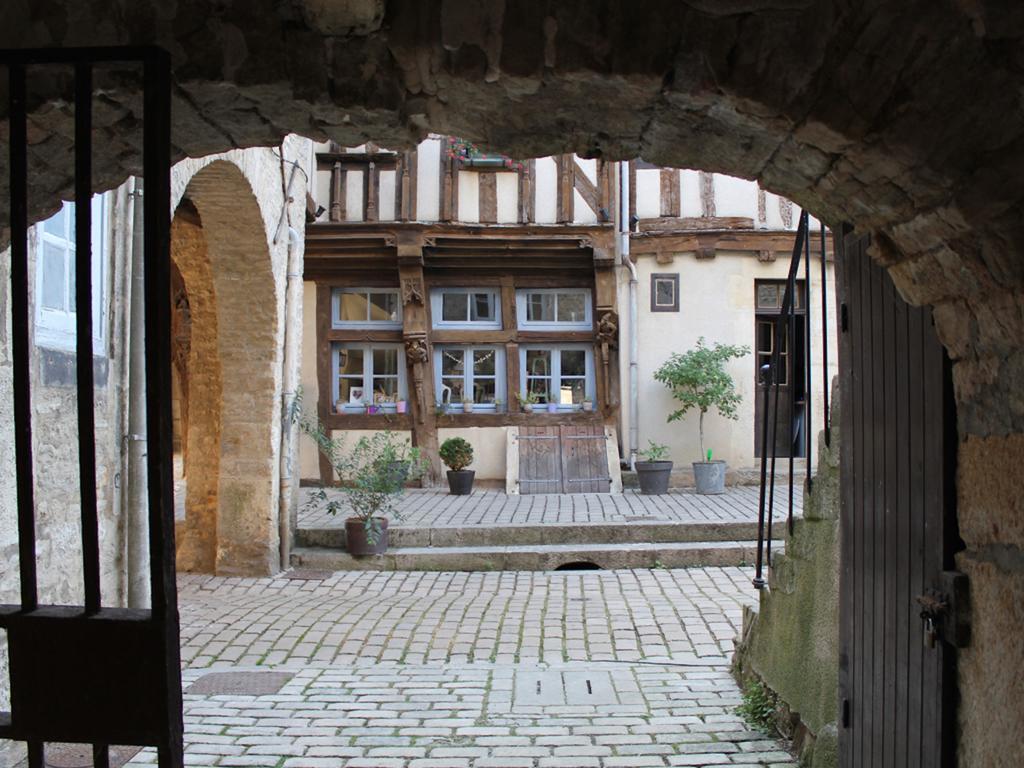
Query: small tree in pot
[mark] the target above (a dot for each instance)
(373, 476)
(655, 470)
(698, 380)
(457, 454)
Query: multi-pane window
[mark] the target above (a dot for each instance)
(469, 373)
(366, 308)
(765, 347)
(56, 310)
(368, 375)
(554, 309)
(561, 374)
(466, 308)
(769, 294)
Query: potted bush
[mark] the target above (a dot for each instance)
(655, 470)
(373, 476)
(457, 454)
(698, 380)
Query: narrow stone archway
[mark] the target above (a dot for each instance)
(220, 248)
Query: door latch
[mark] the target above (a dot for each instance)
(944, 611)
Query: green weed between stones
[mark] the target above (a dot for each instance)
(758, 707)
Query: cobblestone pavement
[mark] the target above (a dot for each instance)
(467, 670)
(436, 508)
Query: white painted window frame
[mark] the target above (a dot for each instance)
(55, 329)
(500, 377)
(436, 306)
(367, 349)
(337, 323)
(590, 387)
(522, 297)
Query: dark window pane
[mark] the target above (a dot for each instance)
(768, 296)
(383, 307)
(538, 362)
(385, 362)
(764, 336)
(484, 390)
(539, 387)
(452, 362)
(573, 391)
(665, 292)
(451, 390)
(540, 307)
(484, 362)
(574, 362)
(482, 307)
(454, 307)
(350, 361)
(572, 308)
(385, 389)
(53, 277)
(350, 390)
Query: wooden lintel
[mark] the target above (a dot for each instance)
(668, 223)
(328, 159)
(670, 202)
(752, 242)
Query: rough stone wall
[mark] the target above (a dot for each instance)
(791, 642)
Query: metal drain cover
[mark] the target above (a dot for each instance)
(552, 688)
(80, 755)
(240, 683)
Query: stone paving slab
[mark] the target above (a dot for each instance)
(420, 670)
(436, 508)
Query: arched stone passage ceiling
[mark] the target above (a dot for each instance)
(905, 117)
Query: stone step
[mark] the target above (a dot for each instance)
(539, 557)
(627, 532)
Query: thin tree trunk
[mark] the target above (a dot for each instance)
(702, 435)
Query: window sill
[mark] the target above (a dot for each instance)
(380, 421)
(518, 418)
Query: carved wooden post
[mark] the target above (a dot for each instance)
(607, 339)
(337, 193)
(372, 184)
(417, 352)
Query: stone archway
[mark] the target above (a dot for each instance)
(219, 246)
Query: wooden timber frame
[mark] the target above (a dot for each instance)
(415, 258)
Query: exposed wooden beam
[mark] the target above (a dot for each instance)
(670, 204)
(488, 197)
(586, 188)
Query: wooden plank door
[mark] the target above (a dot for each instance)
(540, 460)
(584, 459)
(563, 459)
(897, 689)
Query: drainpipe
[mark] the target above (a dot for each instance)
(624, 226)
(136, 501)
(289, 377)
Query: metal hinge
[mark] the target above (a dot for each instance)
(844, 317)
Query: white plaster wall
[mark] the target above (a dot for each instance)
(546, 191)
(469, 196)
(581, 212)
(773, 214)
(489, 445)
(689, 194)
(735, 197)
(717, 302)
(322, 194)
(428, 169)
(508, 197)
(648, 193)
(354, 195)
(386, 207)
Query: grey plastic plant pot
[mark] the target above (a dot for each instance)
(357, 540)
(653, 476)
(709, 476)
(460, 483)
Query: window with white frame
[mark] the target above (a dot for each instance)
(366, 308)
(368, 377)
(562, 374)
(466, 308)
(554, 309)
(56, 310)
(469, 373)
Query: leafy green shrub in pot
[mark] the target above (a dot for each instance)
(457, 454)
(654, 470)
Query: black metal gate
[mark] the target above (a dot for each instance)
(93, 674)
(901, 604)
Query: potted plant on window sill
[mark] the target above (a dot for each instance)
(698, 380)
(373, 476)
(467, 406)
(552, 407)
(527, 400)
(655, 470)
(588, 405)
(457, 454)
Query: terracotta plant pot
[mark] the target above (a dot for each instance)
(461, 483)
(653, 476)
(357, 542)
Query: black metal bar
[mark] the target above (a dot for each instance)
(18, 146)
(808, 395)
(157, 277)
(83, 336)
(772, 417)
(100, 756)
(791, 370)
(827, 416)
(759, 564)
(72, 55)
(35, 754)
